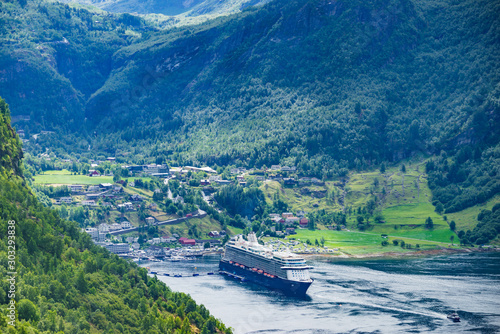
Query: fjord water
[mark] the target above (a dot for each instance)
(356, 296)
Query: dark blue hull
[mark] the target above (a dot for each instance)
(277, 283)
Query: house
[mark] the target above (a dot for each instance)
(93, 232)
(202, 169)
(126, 224)
(289, 181)
(240, 178)
(154, 241)
(274, 215)
(136, 197)
(223, 181)
(118, 248)
(153, 207)
(205, 182)
(285, 169)
(304, 222)
(286, 214)
(111, 159)
(67, 200)
(175, 235)
(292, 220)
(213, 178)
(275, 167)
(105, 186)
(89, 203)
(187, 242)
(317, 181)
(104, 228)
(243, 183)
(213, 234)
(127, 206)
(75, 187)
(93, 188)
(115, 227)
(135, 246)
(93, 172)
(290, 230)
(117, 189)
(131, 239)
(150, 221)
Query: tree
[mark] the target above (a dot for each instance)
(382, 168)
(452, 237)
(403, 168)
(453, 225)
(395, 242)
(206, 245)
(439, 208)
(27, 310)
(81, 283)
(429, 223)
(402, 244)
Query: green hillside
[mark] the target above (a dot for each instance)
(333, 88)
(66, 284)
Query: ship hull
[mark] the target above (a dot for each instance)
(246, 274)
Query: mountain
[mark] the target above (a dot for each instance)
(326, 86)
(181, 8)
(66, 284)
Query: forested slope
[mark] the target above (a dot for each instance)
(326, 86)
(65, 283)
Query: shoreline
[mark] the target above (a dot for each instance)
(395, 255)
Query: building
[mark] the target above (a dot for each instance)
(213, 234)
(275, 167)
(89, 203)
(93, 232)
(290, 230)
(118, 248)
(178, 199)
(126, 224)
(104, 228)
(286, 214)
(75, 187)
(187, 242)
(93, 188)
(106, 186)
(150, 221)
(67, 200)
(136, 197)
(213, 178)
(304, 222)
(115, 227)
(111, 159)
(202, 169)
(205, 182)
(93, 172)
(292, 220)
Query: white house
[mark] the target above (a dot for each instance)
(75, 187)
(67, 200)
(125, 224)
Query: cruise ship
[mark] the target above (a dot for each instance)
(250, 261)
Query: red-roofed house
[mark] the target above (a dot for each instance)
(304, 222)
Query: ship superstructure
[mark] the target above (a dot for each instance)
(248, 260)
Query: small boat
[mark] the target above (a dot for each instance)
(454, 317)
(153, 273)
(210, 273)
(196, 274)
(165, 274)
(177, 275)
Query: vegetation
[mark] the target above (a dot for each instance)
(67, 284)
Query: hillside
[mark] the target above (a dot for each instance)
(326, 86)
(65, 283)
(190, 8)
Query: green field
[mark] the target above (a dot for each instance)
(467, 219)
(361, 243)
(65, 177)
